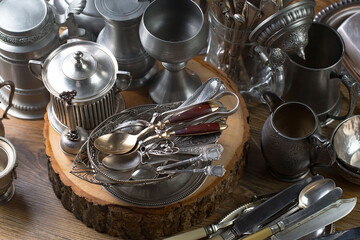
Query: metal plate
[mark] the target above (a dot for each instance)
(334, 15)
(165, 192)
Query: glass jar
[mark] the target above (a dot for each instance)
(230, 51)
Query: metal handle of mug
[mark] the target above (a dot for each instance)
(121, 82)
(11, 96)
(352, 86)
(272, 100)
(320, 142)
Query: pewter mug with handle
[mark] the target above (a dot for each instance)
(316, 80)
(291, 139)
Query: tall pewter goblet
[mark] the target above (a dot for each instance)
(173, 32)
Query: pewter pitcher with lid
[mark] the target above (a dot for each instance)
(28, 30)
(121, 36)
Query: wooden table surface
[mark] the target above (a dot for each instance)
(36, 213)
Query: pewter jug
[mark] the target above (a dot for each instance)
(291, 139)
(316, 80)
(121, 36)
(28, 30)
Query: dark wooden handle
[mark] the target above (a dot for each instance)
(204, 128)
(198, 111)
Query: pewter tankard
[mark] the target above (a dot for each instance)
(316, 80)
(291, 139)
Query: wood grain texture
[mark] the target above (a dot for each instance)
(96, 208)
(36, 213)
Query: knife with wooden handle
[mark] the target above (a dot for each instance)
(258, 215)
(320, 204)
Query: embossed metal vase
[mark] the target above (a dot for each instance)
(291, 139)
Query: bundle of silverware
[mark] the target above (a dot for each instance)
(167, 148)
(162, 132)
(304, 210)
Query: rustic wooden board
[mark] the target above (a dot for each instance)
(98, 209)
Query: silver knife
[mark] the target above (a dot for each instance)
(348, 234)
(326, 216)
(289, 221)
(267, 209)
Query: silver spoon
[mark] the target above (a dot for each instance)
(145, 171)
(122, 142)
(124, 162)
(309, 195)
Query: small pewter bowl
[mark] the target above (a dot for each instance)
(346, 142)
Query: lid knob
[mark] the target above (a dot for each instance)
(78, 56)
(79, 65)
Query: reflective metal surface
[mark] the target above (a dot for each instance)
(346, 140)
(8, 164)
(334, 15)
(21, 39)
(286, 29)
(89, 19)
(91, 70)
(173, 33)
(121, 36)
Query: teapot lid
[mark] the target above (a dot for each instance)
(22, 18)
(121, 11)
(84, 66)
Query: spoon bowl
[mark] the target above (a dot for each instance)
(124, 162)
(145, 171)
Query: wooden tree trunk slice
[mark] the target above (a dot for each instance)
(96, 208)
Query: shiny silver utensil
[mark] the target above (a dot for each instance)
(145, 171)
(216, 170)
(124, 162)
(122, 142)
(209, 155)
(292, 220)
(308, 196)
(327, 215)
(126, 142)
(267, 209)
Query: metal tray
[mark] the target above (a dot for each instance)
(88, 166)
(334, 15)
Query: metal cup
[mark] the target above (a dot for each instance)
(8, 164)
(291, 139)
(316, 80)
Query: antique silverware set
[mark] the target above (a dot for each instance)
(304, 210)
(149, 148)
